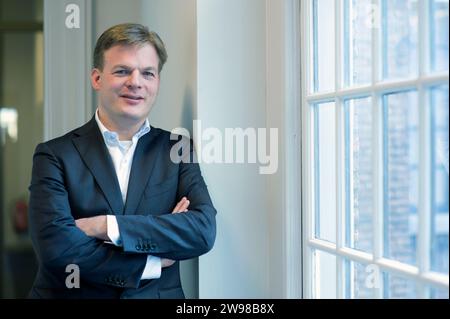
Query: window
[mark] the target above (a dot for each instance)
(375, 148)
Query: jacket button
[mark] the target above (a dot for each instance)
(138, 247)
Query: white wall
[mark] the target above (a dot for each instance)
(231, 85)
(68, 97)
(248, 76)
(283, 112)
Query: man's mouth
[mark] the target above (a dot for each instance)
(132, 97)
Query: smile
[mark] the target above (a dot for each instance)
(132, 97)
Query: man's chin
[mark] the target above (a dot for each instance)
(133, 116)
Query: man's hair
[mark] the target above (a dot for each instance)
(128, 34)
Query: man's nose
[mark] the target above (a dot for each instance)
(133, 80)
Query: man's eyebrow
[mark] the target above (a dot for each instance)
(123, 66)
(149, 68)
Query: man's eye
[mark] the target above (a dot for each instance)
(121, 72)
(149, 74)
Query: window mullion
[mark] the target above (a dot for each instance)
(386, 86)
(377, 163)
(377, 140)
(424, 209)
(340, 269)
(424, 224)
(307, 153)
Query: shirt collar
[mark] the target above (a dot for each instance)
(112, 138)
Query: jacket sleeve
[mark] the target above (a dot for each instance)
(175, 236)
(58, 242)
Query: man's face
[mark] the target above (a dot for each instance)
(128, 84)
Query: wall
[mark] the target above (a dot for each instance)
(248, 58)
(231, 93)
(68, 94)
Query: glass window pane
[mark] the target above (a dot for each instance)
(396, 287)
(400, 36)
(358, 42)
(438, 293)
(440, 175)
(324, 275)
(325, 171)
(323, 45)
(400, 176)
(358, 173)
(361, 281)
(439, 35)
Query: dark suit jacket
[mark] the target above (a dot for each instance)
(73, 177)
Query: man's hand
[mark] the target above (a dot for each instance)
(181, 207)
(94, 226)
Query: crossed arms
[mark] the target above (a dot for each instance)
(97, 227)
(58, 241)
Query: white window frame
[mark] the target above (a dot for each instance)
(420, 274)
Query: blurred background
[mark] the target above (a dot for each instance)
(21, 128)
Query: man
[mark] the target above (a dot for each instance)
(107, 203)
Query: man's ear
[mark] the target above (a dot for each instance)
(96, 79)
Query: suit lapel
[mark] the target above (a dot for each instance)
(144, 160)
(93, 151)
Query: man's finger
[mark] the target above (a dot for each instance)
(166, 262)
(182, 206)
(179, 205)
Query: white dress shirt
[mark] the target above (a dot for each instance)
(122, 156)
